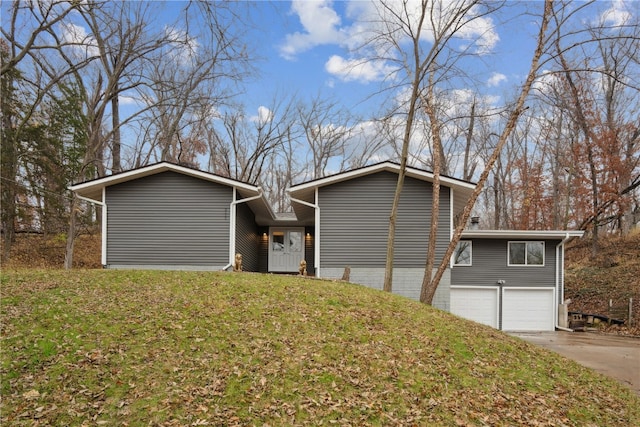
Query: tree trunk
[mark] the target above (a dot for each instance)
(9, 167)
(468, 170)
(510, 126)
(71, 235)
(115, 120)
(428, 288)
(388, 271)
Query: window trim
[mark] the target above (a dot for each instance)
(526, 242)
(453, 258)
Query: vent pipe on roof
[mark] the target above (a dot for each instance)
(475, 223)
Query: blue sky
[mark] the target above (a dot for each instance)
(302, 43)
(302, 48)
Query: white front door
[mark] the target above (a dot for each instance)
(286, 249)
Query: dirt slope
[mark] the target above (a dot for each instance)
(613, 274)
(37, 251)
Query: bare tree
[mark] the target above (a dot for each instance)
(410, 24)
(43, 16)
(193, 79)
(429, 286)
(243, 145)
(600, 88)
(425, 66)
(328, 129)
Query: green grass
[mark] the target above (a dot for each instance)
(100, 347)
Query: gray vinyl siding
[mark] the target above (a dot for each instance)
(247, 240)
(263, 250)
(489, 264)
(354, 222)
(168, 219)
(459, 203)
(309, 250)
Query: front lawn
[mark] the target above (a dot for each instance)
(101, 347)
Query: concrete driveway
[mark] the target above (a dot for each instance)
(615, 356)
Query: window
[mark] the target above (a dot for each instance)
(462, 254)
(295, 241)
(526, 253)
(278, 241)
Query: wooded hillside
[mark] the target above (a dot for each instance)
(613, 275)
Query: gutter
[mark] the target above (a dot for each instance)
(232, 223)
(316, 242)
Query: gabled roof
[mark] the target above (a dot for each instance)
(521, 234)
(305, 191)
(379, 167)
(93, 189)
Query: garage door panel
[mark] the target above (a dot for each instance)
(479, 304)
(528, 309)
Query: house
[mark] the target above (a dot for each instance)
(508, 279)
(172, 217)
(166, 216)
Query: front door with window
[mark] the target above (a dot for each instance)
(286, 249)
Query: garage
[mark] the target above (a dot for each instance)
(477, 303)
(528, 309)
(519, 309)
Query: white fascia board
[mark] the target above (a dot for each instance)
(96, 184)
(385, 166)
(521, 234)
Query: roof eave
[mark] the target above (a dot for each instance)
(521, 234)
(380, 167)
(94, 187)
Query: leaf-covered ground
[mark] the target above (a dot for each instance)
(100, 347)
(613, 274)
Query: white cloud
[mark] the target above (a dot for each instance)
(481, 31)
(83, 44)
(543, 81)
(185, 48)
(496, 79)
(264, 115)
(361, 70)
(617, 15)
(128, 100)
(320, 23)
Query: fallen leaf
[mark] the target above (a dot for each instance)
(31, 394)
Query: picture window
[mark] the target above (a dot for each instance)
(526, 253)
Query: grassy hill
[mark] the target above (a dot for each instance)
(100, 347)
(590, 282)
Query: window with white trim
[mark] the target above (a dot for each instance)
(526, 253)
(462, 254)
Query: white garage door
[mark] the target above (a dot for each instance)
(479, 304)
(528, 309)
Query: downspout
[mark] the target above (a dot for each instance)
(451, 223)
(316, 243)
(232, 224)
(560, 278)
(103, 237)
